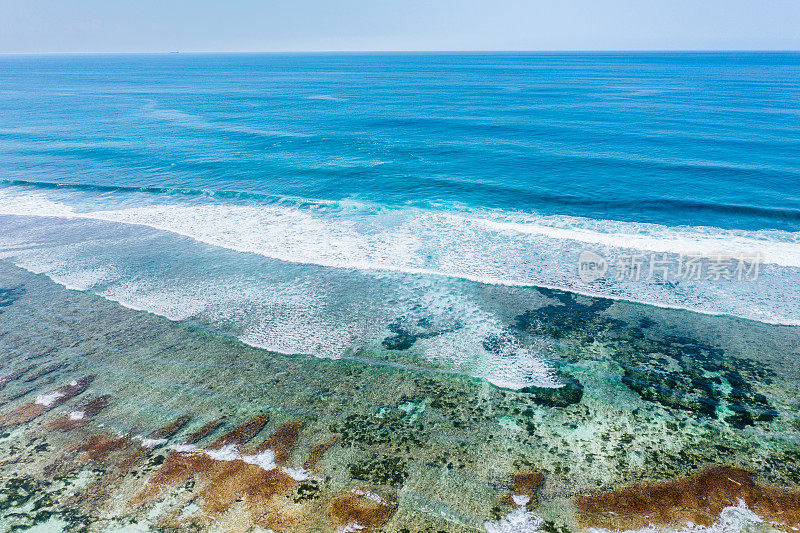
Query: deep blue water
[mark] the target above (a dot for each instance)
(670, 138)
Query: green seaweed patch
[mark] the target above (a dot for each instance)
(549, 526)
(677, 372)
(413, 409)
(406, 333)
(390, 426)
(571, 393)
(307, 490)
(685, 374)
(497, 512)
(25, 503)
(18, 491)
(783, 468)
(568, 317)
(381, 470)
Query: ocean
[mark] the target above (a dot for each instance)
(399, 176)
(610, 237)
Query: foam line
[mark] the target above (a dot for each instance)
(488, 247)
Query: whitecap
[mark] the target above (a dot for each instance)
(49, 398)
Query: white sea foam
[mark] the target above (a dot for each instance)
(299, 474)
(34, 204)
(403, 240)
(520, 500)
(264, 460)
(49, 398)
(150, 443)
(77, 415)
(175, 303)
(230, 452)
(518, 521)
(186, 448)
(507, 364)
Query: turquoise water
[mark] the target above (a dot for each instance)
(322, 203)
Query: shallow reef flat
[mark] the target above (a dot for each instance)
(116, 419)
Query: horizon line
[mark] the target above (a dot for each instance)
(392, 51)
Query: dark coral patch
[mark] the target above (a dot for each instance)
(406, 333)
(570, 393)
(34, 497)
(9, 295)
(685, 374)
(391, 428)
(678, 372)
(568, 318)
(381, 471)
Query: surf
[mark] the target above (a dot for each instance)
(480, 245)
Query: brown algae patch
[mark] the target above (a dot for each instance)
(361, 512)
(222, 476)
(317, 451)
(182, 462)
(169, 430)
(80, 415)
(524, 487)
(204, 431)
(45, 402)
(282, 442)
(99, 447)
(698, 499)
(242, 434)
(16, 374)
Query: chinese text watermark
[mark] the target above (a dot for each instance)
(669, 267)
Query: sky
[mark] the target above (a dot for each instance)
(120, 26)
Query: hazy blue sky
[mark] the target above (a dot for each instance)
(300, 25)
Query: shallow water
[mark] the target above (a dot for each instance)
(651, 394)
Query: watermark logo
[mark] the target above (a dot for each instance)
(591, 266)
(669, 267)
